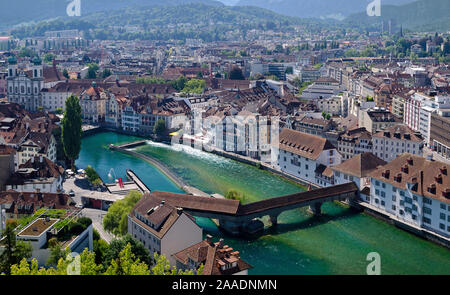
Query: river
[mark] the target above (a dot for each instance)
(336, 243)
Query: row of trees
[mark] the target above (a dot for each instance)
(125, 264)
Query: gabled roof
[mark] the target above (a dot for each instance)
(360, 165)
(428, 178)
(303, 144)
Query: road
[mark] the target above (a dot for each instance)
(97, 216)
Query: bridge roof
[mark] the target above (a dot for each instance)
(297, 198)
(198, 203)
(233, 207)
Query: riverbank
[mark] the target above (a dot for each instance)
(442, 241)
(335, 243)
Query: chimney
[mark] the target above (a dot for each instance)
(220, 244)
(179, 211)
(41, 159)
(162, 203)
(421, 181)
(209, 239)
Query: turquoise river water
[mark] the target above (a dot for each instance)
(336, 243)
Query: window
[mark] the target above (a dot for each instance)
(394, 189)
(426, 220)
(394, 208)
(427, 210)
(377, 192)
(442, 216)
(427, 201)
(442, 226)
(394, 198)
(443, 206)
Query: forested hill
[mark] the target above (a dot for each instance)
(15, 12)
(197, 20)
(422, 15)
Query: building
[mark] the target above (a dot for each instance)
(396, 140)
(354, 142)
(217, 258)
(357, 169)
(19, 204)
(377, 119)
(313, 126)
(7, 164)
(305, 156)
(38, 173)
(24, 87)
(440, 135)
(161, 227)
(37, 144)
(333, 105)
(93, 105)
(322, 88)
(41, 230)
(398, 105)
(414, 191)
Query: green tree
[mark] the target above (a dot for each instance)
(179, 83)
(127, 264)
(65, 73)
(48, 58)
(137, 248)
(92, 71)
(162, 267)
(106, 73)
(56, 252)
(14, 250)
(160, 127)
(71, 129)
(116, 220)
(236, 74)
(194, 86)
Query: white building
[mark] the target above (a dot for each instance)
(161, 227)
(24, 88)
(396, 140)
(357, 170)
(37, 174)
(414, 191)
(305, 156)
(36, 144)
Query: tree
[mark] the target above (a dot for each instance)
(65, 73)
(236, 74)
(162, 267)
(116, 220)
(92, 71)
(56, 252)
(160, 127)
(179, 83)
(137, 248)
(49, 57)
(126, 264)
(194, 86)
(71, 129)
(14, 251)
(106, 73)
